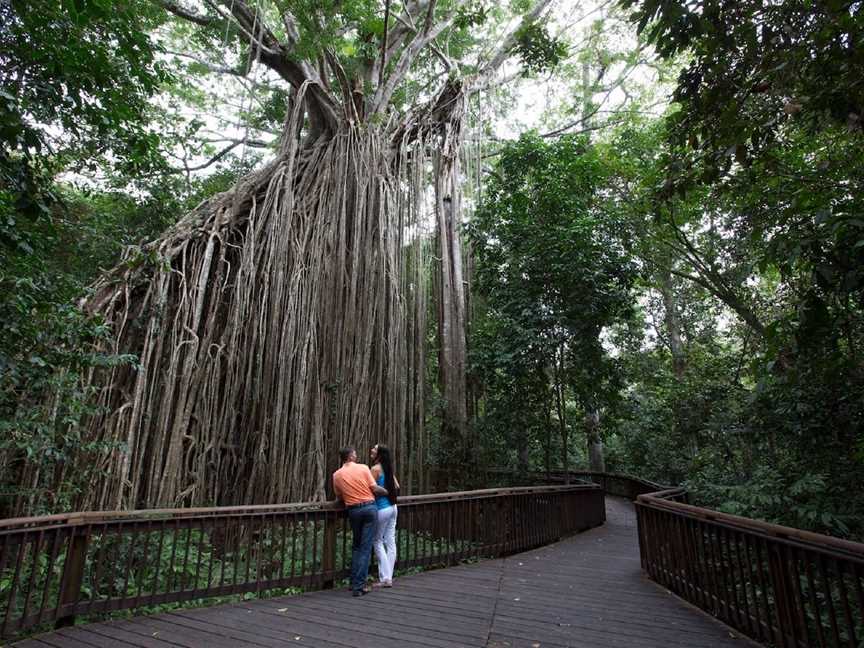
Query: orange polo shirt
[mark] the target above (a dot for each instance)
(352, 483)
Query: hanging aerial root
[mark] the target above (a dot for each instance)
(272, 324)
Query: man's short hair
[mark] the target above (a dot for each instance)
(345, 453)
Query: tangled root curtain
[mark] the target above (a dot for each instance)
(277, 322)
(287, 317)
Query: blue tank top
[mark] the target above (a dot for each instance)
(381, 501)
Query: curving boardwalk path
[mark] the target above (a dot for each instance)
(587, 591)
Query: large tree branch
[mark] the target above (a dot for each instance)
(504, 50)
(712, 281)
(186, 14)
(238, 71)
(259, 36)
(422, 37)
(384, 43)
(732, 300)
(252, 143)
(625, 74)
(277, 56)
(220, 155)
(581, 131)
(269, 50)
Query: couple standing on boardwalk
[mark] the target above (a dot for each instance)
(370, 499)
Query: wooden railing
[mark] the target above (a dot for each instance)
(618, 484)
(781, 586)
(776, 584)
(56, 568)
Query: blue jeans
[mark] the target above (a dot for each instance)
(363, 519)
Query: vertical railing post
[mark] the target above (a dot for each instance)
(506, 538)
(559, 504)
(73, 574)
(640, 534)
(780, 585)
(602, 505)
(328, 557)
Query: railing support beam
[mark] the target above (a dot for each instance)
(73, 575)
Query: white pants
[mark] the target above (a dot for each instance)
(385, 543)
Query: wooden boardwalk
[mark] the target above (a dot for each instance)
(587, 591)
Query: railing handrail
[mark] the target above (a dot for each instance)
(777, 531)
(577, 474)
(89, 517)
(614, 475)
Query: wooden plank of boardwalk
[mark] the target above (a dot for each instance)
(584, 592)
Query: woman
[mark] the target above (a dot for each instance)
(385, 530)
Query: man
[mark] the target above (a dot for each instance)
(354, 485)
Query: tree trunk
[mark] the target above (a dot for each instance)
(452, 346)
(561, 406)
(673, 324)
(596, 461)
(523, 452)
(547, 463)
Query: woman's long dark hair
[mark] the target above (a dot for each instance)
(386, 462)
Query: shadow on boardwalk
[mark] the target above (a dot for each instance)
(586, 591)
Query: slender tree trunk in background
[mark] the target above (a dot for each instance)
(591, 420)
(561, 407)
(523, 451)
(587, 95)
(474, 383)
(548, 442)
(673, 324)
(596, 460)
(565, 448)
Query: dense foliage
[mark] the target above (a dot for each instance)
(769, 132)
(553, 275)
(75, 82)
(741, 372)
(47, 343)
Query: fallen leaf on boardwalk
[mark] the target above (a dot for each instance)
(297, 638)
(155, 634)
